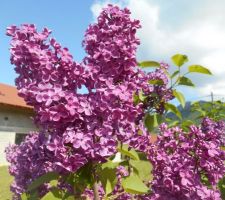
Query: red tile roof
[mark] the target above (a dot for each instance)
(9, 96)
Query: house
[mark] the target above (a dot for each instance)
(15, 119)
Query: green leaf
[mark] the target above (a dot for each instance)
(67, 196)
(143, 168)
(108, 178)
(199, 69)
(141, 95)
(53, 183)
(81, 179)
(221, 186)
(179, 59)
(205, 180)
(84, 177)
(174, 74)
(58, 193)
(152, 121)
(136, 99)
(174, 123)
(54, 194)
(186, 124)
(173, 109)
(145, 64)
(185, 81)
(156, 82)
(43, 179)
(23, 196)
(134, 185)
(180, 97)
(110, 164)
(202, 112)
(48, 196)
(33, 195)
(131, 153)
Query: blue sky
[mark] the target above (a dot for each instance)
(194, 28)
(67, 19)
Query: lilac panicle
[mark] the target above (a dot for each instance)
(79, 128)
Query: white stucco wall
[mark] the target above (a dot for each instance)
(12, 121)
(15, 120)
(6, 138)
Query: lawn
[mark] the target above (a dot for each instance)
(5, 180)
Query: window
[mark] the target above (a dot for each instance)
(20, 137)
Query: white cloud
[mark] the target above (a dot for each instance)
(200, 34)
(98, 5)
(217, 88)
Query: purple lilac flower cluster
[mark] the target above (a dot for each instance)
(188, 165)
(22, 158)
(78, 128)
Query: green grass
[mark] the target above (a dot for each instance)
(5, 181)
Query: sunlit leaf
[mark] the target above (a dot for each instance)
(199, 69)
(110, 164)
(141, 95)
(23, 196)
(107, 176)
(145, 64)
(53, 195)
(185, 81)
(134, 185)
(156, 82)
(136, 99)
(143, 168)
(173, 109)
(174, 123)
(128, 152)
(186, 124)
(179, 59)
(180, 97)
(152, 121)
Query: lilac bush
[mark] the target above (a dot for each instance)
(79, 133)
(188, 165)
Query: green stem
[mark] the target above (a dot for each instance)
(174, 84)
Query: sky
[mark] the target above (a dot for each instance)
(67, 19)
(190, 27)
